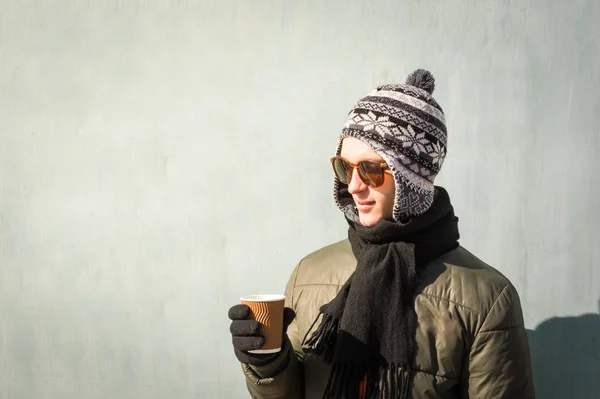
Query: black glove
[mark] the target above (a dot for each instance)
(246, 335)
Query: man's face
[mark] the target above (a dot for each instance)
(373, 204)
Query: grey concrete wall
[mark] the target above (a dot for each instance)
(160, 158)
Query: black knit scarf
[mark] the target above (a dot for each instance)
(367, 332)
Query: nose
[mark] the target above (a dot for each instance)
(356, 184)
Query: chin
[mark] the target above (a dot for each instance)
(368, 220)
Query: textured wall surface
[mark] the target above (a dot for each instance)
(158, 159)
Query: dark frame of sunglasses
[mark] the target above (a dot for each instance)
(365, 178)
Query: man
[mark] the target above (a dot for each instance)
(399, 309)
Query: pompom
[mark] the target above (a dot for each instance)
(422, 79)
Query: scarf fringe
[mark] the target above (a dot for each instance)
(322, 341)
(393, 383)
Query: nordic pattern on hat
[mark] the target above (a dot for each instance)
(404, 125)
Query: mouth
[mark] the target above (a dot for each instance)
(364, 206)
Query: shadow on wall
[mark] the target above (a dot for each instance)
(565, 355)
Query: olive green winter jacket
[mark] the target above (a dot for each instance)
(470, 334)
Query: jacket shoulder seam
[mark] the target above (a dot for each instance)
(450, 301)
(492, 308)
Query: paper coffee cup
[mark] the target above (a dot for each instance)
(268, 311)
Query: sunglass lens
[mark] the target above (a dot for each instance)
(371, 173)
(342, 170)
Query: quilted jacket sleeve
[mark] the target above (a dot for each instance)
(284, 377)
(499, 365)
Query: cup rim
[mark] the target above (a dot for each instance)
(262, 298)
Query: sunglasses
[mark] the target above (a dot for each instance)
(370, 172)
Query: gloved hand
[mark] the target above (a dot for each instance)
(246, 335)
